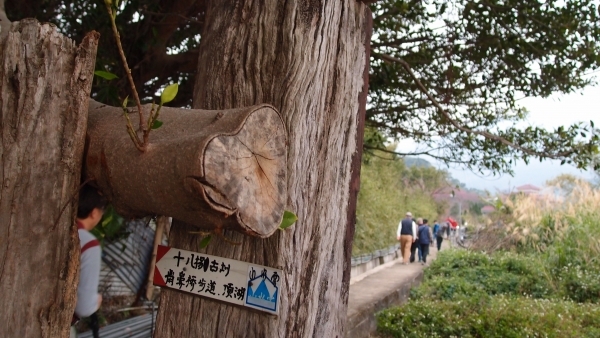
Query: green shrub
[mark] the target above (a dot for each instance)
(497, 316)
(580, 284)
(462, 273)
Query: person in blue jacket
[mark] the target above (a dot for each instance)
(425, 239)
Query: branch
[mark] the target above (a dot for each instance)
(426, 153)
(455, 123)
(141, 146)
(174, 14)
(394, 11)
(399, 129)
(398, 42)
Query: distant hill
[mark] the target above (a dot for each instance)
(453, 182)
(416, 162)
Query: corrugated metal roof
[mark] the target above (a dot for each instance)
(136, 327)
(111, 285)
(129, 258)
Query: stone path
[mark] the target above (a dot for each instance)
(380, 288)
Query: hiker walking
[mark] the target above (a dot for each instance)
(415, 245)
(425, 240)
(439, 235)
(407, 235)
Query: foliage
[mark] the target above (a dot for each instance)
(160, 40)
(287, 220)
(471, 294)
(461, 274)
(388, 190)
(204, 242)
(476, 59)
(475, 208)
(563, 216)
(562, 228)
(112, 227)
(545, 283)
(490, 317)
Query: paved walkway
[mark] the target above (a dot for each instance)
(380, 288)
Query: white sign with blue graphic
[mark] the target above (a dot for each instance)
(223, 279)
(263, 288)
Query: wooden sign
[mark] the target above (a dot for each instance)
(224, 279)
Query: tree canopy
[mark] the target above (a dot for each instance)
(448, 74)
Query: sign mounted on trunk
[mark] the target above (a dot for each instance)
(224, 279)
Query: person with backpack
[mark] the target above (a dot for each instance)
(436, 227)
(439, 235)
(89, 213)
(425, 239)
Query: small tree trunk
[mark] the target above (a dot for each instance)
(306, 58)
(45, 86)
(213, 169)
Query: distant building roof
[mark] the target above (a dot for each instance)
(487, 209)
(528, 189)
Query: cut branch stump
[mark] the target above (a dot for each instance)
(212, 169)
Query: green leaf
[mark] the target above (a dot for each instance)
(156, 124)
(289, 218)
(125, 101)
(107, 220)
(204, 242)
(111, 227)
(169, 93)
(105, 75)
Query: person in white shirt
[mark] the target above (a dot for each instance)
(89, 213)
(407, 235)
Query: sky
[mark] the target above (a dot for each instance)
(550, 113)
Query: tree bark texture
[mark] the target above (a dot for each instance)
(45, 86)
(307, 59)
(214, 169)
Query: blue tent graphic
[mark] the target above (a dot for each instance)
(262, 292)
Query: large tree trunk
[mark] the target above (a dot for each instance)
(307, 59)
(45, 85)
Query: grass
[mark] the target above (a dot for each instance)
(490, 317)
(542, 281)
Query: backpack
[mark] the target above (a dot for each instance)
(441, 231)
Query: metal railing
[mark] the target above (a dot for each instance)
(356, 260)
